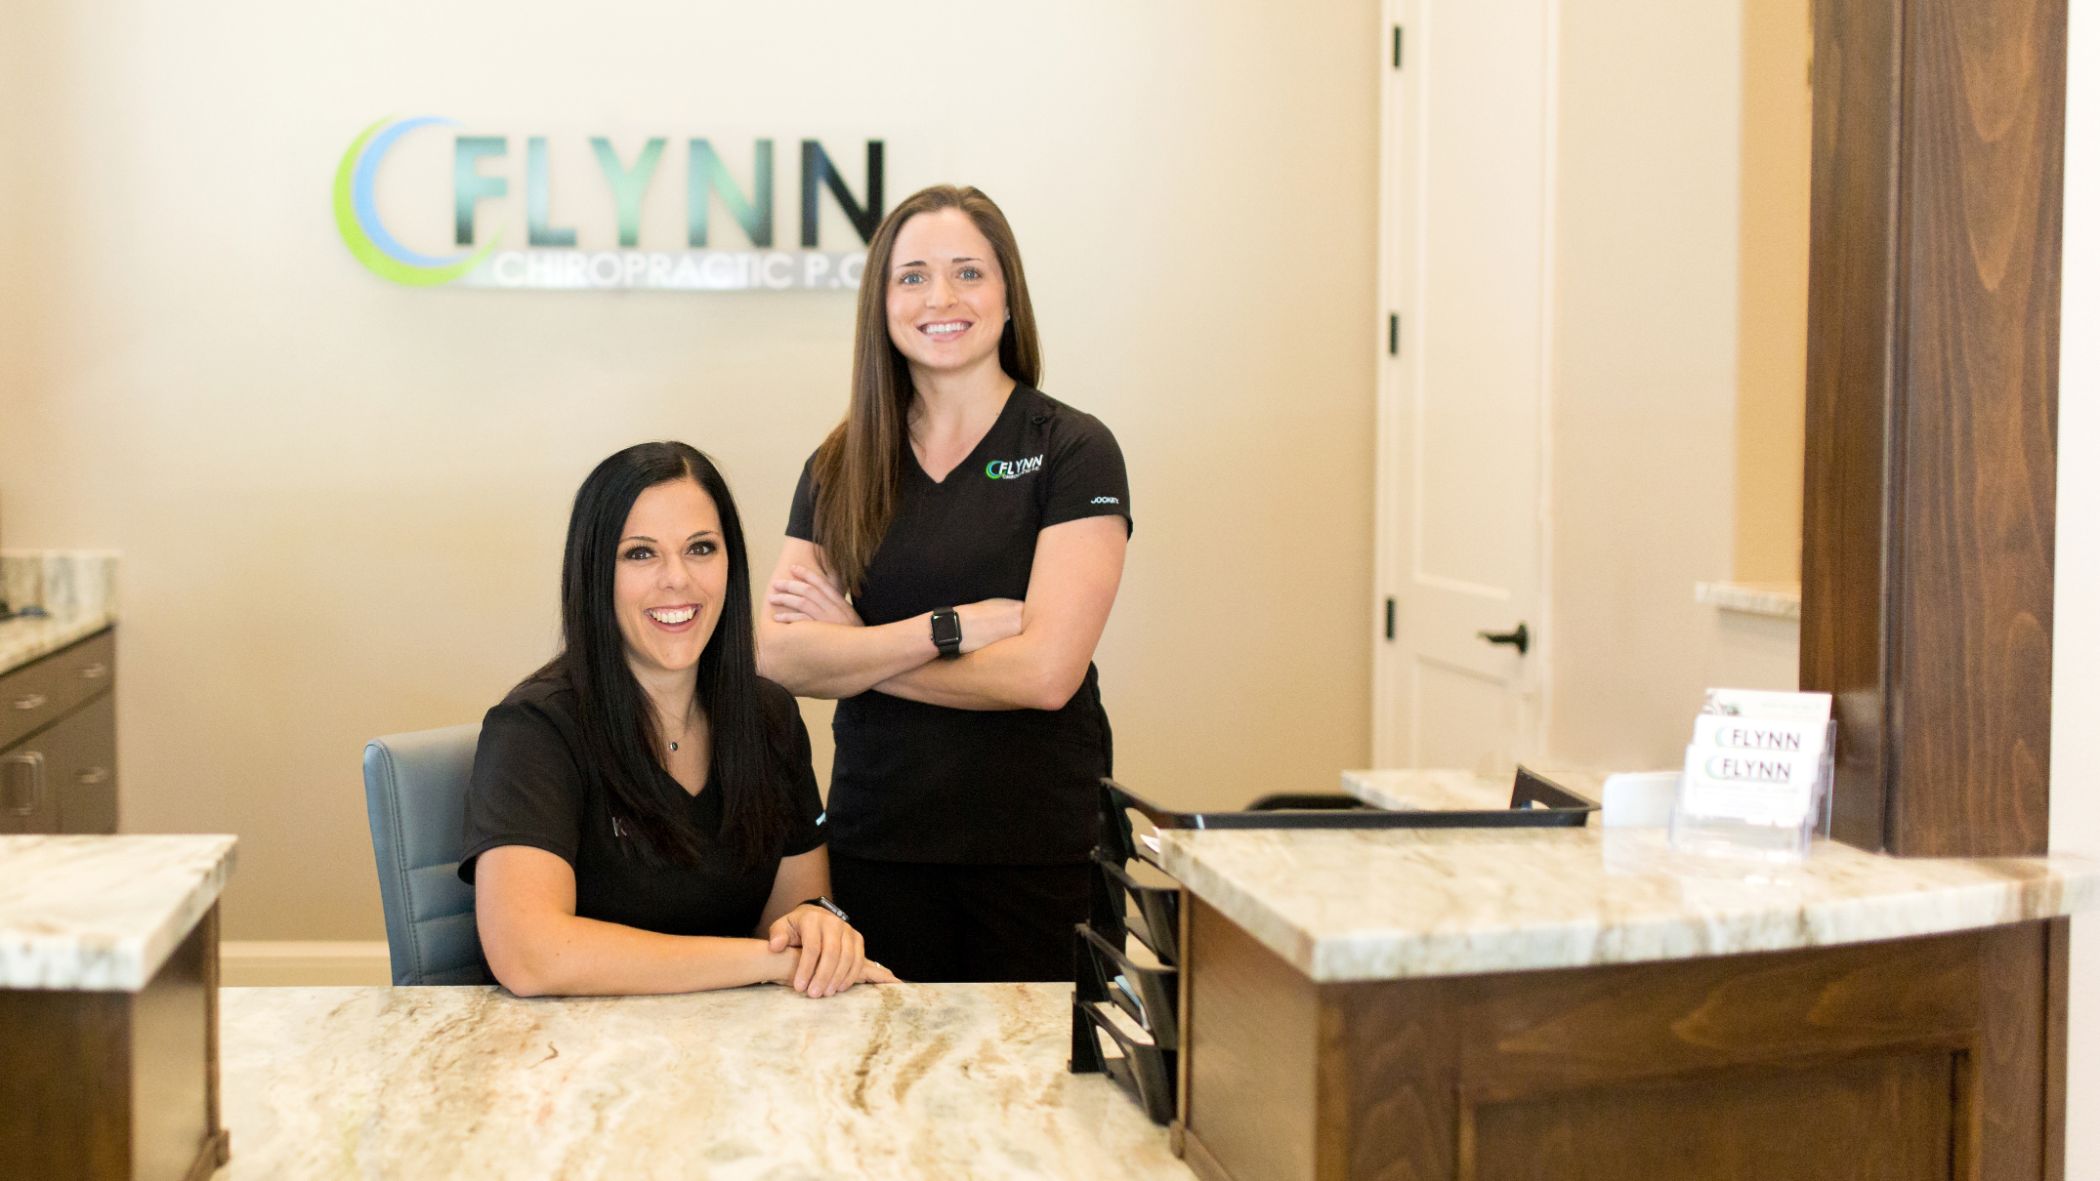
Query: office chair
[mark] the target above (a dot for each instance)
(415, 798)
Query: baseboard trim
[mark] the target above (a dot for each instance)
(293, 963)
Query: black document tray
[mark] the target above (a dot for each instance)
(1148, 1071)
(1534, 802)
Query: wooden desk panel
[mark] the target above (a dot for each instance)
(1914, 1058)
(1874, 1118)
(113, 1084)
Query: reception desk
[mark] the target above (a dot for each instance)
(933, 1081)
(109, 960)
(1427, 1003)
(1589, 1003)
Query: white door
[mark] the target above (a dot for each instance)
(1466, 247)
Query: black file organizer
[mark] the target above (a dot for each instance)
(1109, 979)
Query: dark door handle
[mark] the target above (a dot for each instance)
(1521, 637)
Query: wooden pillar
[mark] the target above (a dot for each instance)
(1928, 545)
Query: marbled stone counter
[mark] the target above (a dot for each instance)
(1456, 791)
(102, 913)
(905, 1081)
(1776, 600)
(77, 591)
(1398, 903)
(23, 641)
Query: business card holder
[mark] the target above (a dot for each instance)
(1737, 824)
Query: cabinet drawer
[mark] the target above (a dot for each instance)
(36, 695)
(64, 778)
(83, 759)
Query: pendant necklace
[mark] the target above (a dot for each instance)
(682, 733)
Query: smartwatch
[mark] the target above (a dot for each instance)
(827, 904)
(947, 633)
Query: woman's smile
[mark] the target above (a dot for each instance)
(673, 619)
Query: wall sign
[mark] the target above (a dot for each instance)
(484, 166)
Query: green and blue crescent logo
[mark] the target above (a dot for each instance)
(1013, 469)
(357, 214)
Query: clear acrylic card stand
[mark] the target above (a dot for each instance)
(1757, 776)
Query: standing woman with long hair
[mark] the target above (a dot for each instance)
(953, 551)
(642, 816)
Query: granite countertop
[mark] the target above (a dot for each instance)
(102, 913)
(78, 589)
(25, 640)
(1392, 904)
(1777, 600)
(1457, 791)
(898, 1081)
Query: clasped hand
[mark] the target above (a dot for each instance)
(812, 596)
(831, 956)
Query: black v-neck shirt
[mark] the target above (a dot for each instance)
(929, 784)
(530, 787)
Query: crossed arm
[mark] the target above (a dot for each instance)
(537, 945)
(1016, 655)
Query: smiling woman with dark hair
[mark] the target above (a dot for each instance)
(643, 817)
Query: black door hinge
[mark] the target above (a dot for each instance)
(1391, 608)
(1396, 47)
(1392, 333)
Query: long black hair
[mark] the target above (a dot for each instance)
(619, 725)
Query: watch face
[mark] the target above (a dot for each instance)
(947, 628)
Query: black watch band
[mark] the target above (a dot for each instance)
(947, 633)
(827, 904)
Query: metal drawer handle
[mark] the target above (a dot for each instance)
(94, 672)
(34, 760)
(33, 701)
(93, 777)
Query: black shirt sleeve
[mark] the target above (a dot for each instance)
(1085, 472)
(526, 788)
(798, 776)
(802, 512)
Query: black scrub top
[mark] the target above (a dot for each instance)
(928, 784)
(529, 788)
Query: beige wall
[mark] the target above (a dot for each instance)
(32, 189)
(340, 501)
(1772, 282)
(2074, 805)
(1658, 121)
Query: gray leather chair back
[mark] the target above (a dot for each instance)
(416, 799)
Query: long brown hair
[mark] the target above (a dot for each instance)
(860, 463)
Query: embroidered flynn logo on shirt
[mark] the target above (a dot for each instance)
(1013, 469)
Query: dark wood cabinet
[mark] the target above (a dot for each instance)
(117, 1084)
(1919, 1059)
(58, 741)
